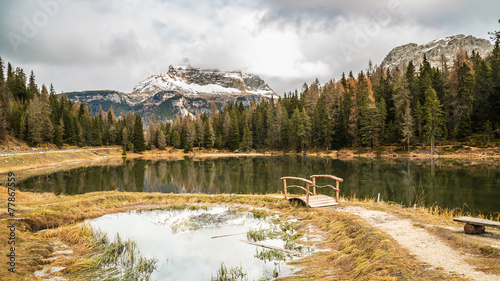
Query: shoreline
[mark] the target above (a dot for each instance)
(51, 160)
(350, 242)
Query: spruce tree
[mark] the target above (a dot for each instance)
(234, 131)
(246, 141)
(208, 134)
(304, 131)
(407, 127)
(435, 126)
(138, 137)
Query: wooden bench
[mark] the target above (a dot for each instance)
(475, 225)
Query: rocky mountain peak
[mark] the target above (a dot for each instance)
(182, 91)
(436, 50)
(187, 80)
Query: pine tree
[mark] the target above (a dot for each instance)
(407, 127)
(176, 139)
(190, 135)
(494, 97)
(435, 126)
(304, 132)
(460, 98)
(58, 141)
(33, 88)
(151, 137)
(2, 74)
(125, 140)
(293, 133)
(161, 140)
(226, 129)
(246, 141)
(138, 136)
(234, 131)
(274, 135)
(285, 130)
(208, 134)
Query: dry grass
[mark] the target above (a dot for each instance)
(482, 256)
(358, 251)
(437, 221)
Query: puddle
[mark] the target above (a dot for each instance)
(181, 241)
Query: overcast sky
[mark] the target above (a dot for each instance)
(91, 45)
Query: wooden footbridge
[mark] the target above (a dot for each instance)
(312, 199)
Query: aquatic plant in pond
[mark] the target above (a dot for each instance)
(234, 273)
(199, 244)
(117, 260)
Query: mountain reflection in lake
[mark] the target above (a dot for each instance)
(449, 185)
(181, 242)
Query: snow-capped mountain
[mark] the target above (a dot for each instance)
(436, 51)
(190, 81)
(181, 91)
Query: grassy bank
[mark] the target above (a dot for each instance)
(354, 249)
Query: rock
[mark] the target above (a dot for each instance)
(181, 91)
(435, 51)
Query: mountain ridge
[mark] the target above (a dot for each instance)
(182, 91)
(435, 51)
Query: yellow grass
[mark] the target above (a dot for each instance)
(357, 251)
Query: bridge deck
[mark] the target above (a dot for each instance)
(316, 201)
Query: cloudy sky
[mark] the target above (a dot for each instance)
(85, 45)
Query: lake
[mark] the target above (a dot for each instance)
(448, 184)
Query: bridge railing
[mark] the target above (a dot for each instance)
(336, 187)
(306, 189)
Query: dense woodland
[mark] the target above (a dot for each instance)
(411, 106)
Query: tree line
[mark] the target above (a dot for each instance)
(416, 105)
(38, 115)
(379, 107)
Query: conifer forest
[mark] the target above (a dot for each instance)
(418, 105)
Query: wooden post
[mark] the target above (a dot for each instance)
(307, 195)
(284, 185)
(337, 191)
(314, 186)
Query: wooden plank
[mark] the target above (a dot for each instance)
(323, 205)
(476, 221)
(270, 247)
(317, 201)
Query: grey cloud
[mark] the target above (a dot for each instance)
(115, 44)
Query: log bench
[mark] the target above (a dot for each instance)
(475, 225)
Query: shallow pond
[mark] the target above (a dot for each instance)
(447, 184)
(181, 241)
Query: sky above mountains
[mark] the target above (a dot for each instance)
(92, 45)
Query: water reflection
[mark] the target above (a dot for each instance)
(181, 241)
(450, 185)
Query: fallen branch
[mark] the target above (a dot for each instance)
(270, 247)
(220, 236)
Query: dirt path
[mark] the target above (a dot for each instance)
(423, 245)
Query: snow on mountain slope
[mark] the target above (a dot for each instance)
(191, 81)
(437, 51)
